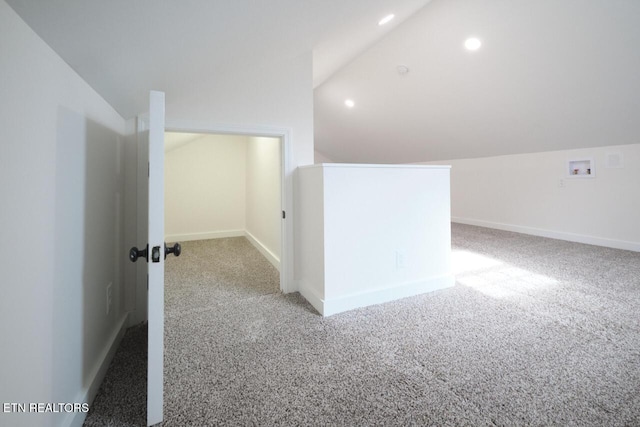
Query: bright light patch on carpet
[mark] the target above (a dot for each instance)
(495, 278)
(466, 262)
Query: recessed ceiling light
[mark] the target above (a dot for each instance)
(349, 103)
(386, 19)
(472, 43)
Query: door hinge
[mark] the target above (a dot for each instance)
(148, 170)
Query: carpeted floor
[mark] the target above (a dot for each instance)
(122, 398)
(535, 332)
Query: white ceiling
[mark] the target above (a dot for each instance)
(125, 48)
(550, 74)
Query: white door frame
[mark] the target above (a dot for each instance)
(142, 220)
(286, 182)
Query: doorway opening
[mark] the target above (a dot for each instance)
(222, 182)
(224, 186)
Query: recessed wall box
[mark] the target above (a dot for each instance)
(581, 168)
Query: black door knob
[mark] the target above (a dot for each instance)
(136, 253)
(176, 249)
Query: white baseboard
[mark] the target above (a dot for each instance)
(270, 256)
(205, 235)
(553, 234)
(330, 306)
(311, 296)
(86, 395)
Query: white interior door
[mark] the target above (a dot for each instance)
(155, 366)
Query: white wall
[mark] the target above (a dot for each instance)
(130, 223)
(223, 186)
(310, 232)
(205, 183)
(530, 193)
(52, 321)
(386, 233)
(321, 157)
(264, 212)
(273, 96)
(61, 224)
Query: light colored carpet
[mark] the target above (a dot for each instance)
(535, 332)
(122, 398)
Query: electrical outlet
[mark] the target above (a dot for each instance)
(561, 183)
(109, 297)
(401, 260)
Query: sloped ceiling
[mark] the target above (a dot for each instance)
(125, 48)
(175, 140)
(550, 75)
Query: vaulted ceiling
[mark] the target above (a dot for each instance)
(549, 75)
(125, 48)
